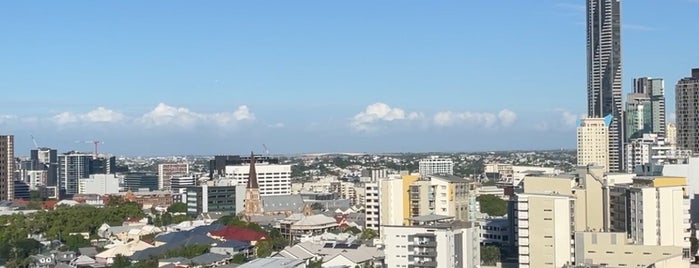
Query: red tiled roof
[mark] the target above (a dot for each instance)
(238, 233)
(50, 204)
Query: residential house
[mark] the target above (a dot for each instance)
(335, 253)
(232, 247)
(238, 234)
(179, 240)
(126, 250)
(62, 256)
(298, 226)
(274, 262)
(210, 260)
(82, 261)
(40, 261)
(88, 251)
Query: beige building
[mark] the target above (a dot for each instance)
(544, 226)
(687, 111)
(168, 171)
(454, 196)
(614, 250)
(7, 167)
(671, 134)
(593, 143)
(659, 212)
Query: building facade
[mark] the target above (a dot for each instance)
(449, 245)
(543, 230)
(168, 171)
(7, 167)
(604, 72)
(204, 199)
(46, 159)
(687, 111)
(273, 179)
(72, 167)
(372, 202)
(101, 184)
(436, 165)
(645, 108)
(593, 143)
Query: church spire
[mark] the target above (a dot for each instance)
(252, 176)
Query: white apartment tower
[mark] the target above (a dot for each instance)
(448, 245)
(544, 228)
(436, 165)
(273, 179)
(593, 142)
(372, 215)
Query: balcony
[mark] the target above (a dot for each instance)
(423, 254)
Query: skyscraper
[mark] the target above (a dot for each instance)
(593, 142)
(687, 110)
(604, 71)
(72, 166)
(645, 108)
(7, 167)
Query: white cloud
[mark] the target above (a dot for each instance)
(164, 114)
(570, 119)
(507, 117)
(102, 114)
(277, 125)
(7, 118)
(380, 112)
(65, 118)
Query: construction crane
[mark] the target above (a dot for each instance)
(95, 154)
(266, 150)
(36, 145)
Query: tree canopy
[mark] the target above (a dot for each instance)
(490, 255)
(492, 205)
(177, 207)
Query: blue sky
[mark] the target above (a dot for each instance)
(179, 77)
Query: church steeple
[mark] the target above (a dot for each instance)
(252, 176)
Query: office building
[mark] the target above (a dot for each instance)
(73, 166)
(687, 111)
(659, 212)
(436, 165)
(101, 184)
(205, 199)
(168, 171)
(593, 142)
(645, 108)
(103, 165)
(7, 167)
(604, 72)
(179, 182)
(217, 166)
(46, 159)
(140, 182)
(449, 245)
(273, 179)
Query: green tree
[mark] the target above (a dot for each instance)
(35, 195)
(490, 255)
(264, 248)
(177, 207)
(239, 259)
(368, 234)
(121, 261)
(492, 205)
(353, 230)
(74, 242)
(190, 251)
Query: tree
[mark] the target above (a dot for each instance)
(264, 248)
(239, 259)
(74, 242)
(492, 205)
(368, 234)
(353, 230)
(121, 261)
(177, 207)
(490, 255)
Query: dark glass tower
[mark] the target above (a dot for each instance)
(604, 72)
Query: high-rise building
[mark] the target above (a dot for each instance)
(543, 229)
(273, 179)
(604, 72)
(205, 199)
(436, 165)
(46, 159)
(687, 111)
(73, 166)
(102, 184)
(372, 215)
(648, 149)
(645, 108)
(7, 167)
(168, 171)
(593, 142)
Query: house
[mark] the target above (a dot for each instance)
(128, 231)
(335, 253)
(126, 250)
(232, 247)
(239, 234)
(62, 256)
(88, 251)
(82, 261)
(299, 225)
(173, 241)
(274, 262)
(40, 261)
(173, 261)
(210, 260)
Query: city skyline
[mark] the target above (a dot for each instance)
(308, 78)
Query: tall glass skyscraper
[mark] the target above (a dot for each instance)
(604, 72)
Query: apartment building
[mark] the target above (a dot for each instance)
(7, 167)
(608, 249)
(435, 165)
(687, 110)
(454, 196)
(273, 179)
(544, 227)
(444, 245)
(593, 142)
(168, 171)
(101, 184)
(372, 211)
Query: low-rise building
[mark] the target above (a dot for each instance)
(615, 250)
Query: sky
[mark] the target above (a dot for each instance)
(226, 77)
